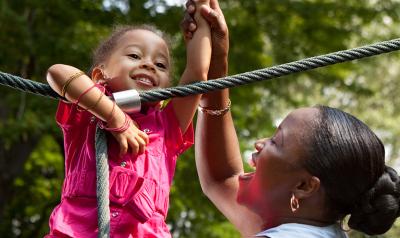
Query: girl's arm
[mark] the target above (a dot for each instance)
(68, 82)
(198, 56)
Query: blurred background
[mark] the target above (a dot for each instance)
(35, 34)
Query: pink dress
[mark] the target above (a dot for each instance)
(139, 185)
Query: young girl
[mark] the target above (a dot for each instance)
(142, 153)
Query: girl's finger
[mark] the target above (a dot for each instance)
(141, 144)
(144, 136)
(123, 145)
(134, 145)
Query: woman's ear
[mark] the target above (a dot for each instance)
(307, 187)
(98, 75)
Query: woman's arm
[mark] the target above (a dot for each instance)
(218, 157)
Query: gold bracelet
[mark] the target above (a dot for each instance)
(217, 112)
(70, 79)
(95, 104)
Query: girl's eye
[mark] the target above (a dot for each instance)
(161, 65)
(134, 56)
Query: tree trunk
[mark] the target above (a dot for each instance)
(11, 166)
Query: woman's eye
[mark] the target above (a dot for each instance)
(161, 65)
(272, 140)
(134, 56)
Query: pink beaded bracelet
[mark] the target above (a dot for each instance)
(120, 129)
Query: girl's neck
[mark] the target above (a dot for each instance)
(146, 106)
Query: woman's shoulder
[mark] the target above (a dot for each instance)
(303, 231)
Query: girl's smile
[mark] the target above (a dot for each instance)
(145, 80)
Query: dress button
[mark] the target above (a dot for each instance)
(123, 164)
(114, 214)
(147, 131)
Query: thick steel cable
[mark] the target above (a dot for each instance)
(229, 81)
(102, 184)
(272, 72)
(27, 85)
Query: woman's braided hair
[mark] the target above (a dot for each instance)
(349, 160)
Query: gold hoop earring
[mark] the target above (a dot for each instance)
(294, 203)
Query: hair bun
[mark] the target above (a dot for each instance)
(378, 207)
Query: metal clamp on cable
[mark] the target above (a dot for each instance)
(128, 101)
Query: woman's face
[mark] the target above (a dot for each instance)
(140, 61)
(267, 191)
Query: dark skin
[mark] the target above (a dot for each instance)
(260, 201)
(209, 171)
(219, 35)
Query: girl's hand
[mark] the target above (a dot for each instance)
(219, 30)
(132, 137)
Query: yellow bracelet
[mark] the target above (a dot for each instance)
(70, 79)
(217, 112)
(95, 104)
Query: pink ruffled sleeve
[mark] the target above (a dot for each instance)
(176, 141)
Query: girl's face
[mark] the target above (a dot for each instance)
(268, 190)
(140, 61)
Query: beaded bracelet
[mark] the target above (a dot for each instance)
(84, 93)
(68, 82)
(120, 129)
(102, 89)
(96, 103)
(112, 112)
(217, 112)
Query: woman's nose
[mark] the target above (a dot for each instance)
(259, 144)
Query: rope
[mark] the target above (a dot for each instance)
(195, 88)
(102, 184)
(272, 72)
(27, 85)
(229, 81)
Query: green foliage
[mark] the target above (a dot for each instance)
(36, 34)
(38, 190)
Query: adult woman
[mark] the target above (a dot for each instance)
(320, 165)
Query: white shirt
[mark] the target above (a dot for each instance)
(290, 230)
